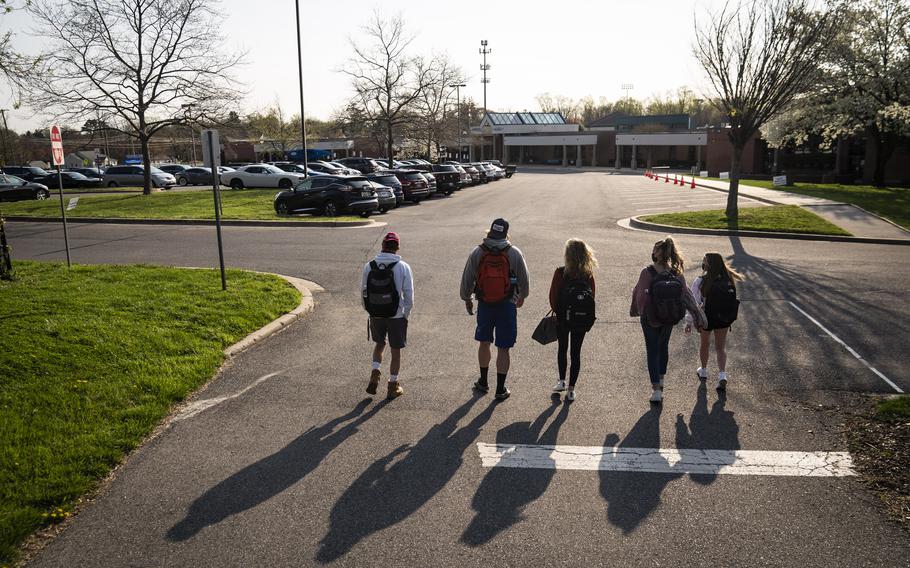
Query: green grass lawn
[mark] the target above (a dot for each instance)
(892, 203)
(775, 218)
(896, 409)
(237, 204)
(93, 358)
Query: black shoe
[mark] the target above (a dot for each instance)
(482, 387)
(503, 395)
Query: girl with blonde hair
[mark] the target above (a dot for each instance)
(715, 291)
(572, 300)
(660, 299)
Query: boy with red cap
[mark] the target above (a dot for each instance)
(387, 288)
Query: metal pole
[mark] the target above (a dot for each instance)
(66, 237)
(217, 197)
(193, 143)
(5, 134)
(458, 120)
(300, 81)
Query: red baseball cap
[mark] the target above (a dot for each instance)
(391, 237)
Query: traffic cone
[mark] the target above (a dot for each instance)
(667, 178)
(693, 183)
(656, 177)
(675, 181)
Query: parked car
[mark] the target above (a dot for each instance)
(14, 188)
(485, 175)
(330, 196)
(223, 169)
(386, 196)
(69, 179)
(498, 173)
(88, 172)
(261, 175)
(296, 168)
(473, 173)
(389, 179)
(509, 169)
(448, 179)
(326, 168)
(418, 165)
(173, 169)
(28, 173)
(133, 176)
(344, 169)
(362, 165)
(195, 176)
(431, 182)
(413, 184)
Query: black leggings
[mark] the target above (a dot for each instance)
(577, 337)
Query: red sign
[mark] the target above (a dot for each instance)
(57, 145)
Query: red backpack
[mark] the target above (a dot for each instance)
(494, 279)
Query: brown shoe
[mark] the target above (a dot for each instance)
(395, 390)
(375, 375)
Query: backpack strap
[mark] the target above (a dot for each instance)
(373, 265)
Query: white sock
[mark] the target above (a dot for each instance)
(376, 365)
(393, 378)
(722, 376)
(702, 372)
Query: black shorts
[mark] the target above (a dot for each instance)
(395, 328)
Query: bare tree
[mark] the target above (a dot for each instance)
(758, 56)
(149, 63)
(387, 81)
(277, 131)
(435, 100)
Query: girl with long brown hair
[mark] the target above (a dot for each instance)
(715, 291)
(660, 299)
(572, 299)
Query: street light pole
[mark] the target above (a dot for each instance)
(3, 112)
(484, 67)
(458, 104)
(300, 81)
(186, 113)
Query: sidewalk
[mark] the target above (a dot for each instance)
(849, 217)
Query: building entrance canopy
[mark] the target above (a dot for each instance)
(666, 139)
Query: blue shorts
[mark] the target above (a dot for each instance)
(500, 317)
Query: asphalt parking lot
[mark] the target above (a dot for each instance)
(305, 469)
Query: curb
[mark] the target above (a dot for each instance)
(307, 304)
(636, 223)
(224, 222)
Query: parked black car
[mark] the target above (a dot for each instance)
(174, 169)
(389, 179)
(362, 165)
(486, 176)
(195, 176)
(14, 188)
(386, 195)
(473, 173)
(28, 173)
(509, 169)
(431, 182)
(69, 179)
(413, 184)
(448, 178)
(88, 172)
(330, 196)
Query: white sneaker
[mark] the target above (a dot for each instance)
(559, 386)
(702, 373)
(657, 395)
(721, 381)
(570, 396)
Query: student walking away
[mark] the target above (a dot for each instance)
(497, 276)
(388, 296)
(660, 299)
(715, 292)
(572, 300)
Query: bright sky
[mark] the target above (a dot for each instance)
(580, 48)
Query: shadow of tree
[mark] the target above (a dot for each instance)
(504, 492)
(714, 430)
(271, 475)
(631, 495)
(387, 493)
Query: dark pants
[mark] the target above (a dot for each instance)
(576, 337)
(657, 345)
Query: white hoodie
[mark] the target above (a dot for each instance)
(404, 281)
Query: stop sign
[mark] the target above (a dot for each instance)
(57, 145)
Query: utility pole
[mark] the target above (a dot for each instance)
(306, 167)
(3, 112)
(186, 112)
(485, 67)
(458, 105)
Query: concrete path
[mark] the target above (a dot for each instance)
(849, 217)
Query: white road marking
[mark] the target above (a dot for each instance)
(656, 460)
(198, 406)
(848, 348)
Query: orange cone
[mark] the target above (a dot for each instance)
(656, 177)
(675, 181)
(693, 184)
(667, 178)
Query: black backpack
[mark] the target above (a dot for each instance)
(381, 297)
(666, 292)
(575, 306)
(721, 304)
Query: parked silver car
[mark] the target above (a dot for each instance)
(133, 176)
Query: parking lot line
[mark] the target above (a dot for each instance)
(850, 349)
(673, 461)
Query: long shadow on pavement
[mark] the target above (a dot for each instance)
(714, 430)
(632, 496)
(504, 492)
(271, 475)
(387, 493)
